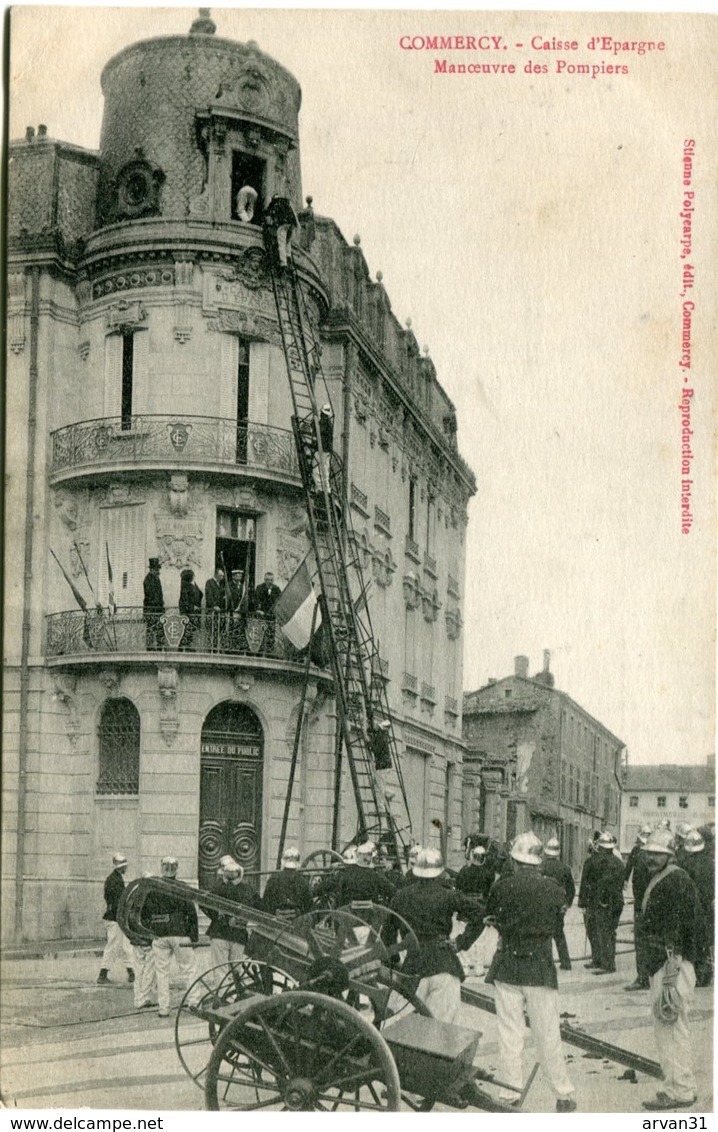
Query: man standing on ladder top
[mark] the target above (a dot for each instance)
(281, 219)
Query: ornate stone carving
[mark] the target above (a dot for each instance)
(453, 623)
(84, 349)
(383, 566)
(110, 680)
(245, 323)
(64, 689)
(68, 509)
(125, 313)
(167, 680)
(179, 540)
(291, 550)
(160, 276)
(183, 325)
(179, 494)
(242, 682)
(412, 590)
(120, 494)
(184, 272)
(430, 604)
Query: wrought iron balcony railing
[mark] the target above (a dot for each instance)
(134, 632)
(178, 440)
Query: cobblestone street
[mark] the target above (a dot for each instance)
(68, 1043)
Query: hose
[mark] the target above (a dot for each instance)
(667, 1008)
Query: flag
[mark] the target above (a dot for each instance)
(110, 584)
(294, 608)
(78, 596)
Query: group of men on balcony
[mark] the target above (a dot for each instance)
(235, 620)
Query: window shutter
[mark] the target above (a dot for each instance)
(140, 372)
(123, 529)
(113, 375)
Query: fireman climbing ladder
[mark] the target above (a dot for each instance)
(345, 620)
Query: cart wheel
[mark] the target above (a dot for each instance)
(301, 1052)
(322, 859)
(195, 1032)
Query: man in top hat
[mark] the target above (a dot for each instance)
(608, 901)
(636, 869)
(215, 601)
(153, 606)
(670, 910)
(287, 893)
(117, 942)
(555, 868)
(524, 907)
(361, 881)
(428, 905)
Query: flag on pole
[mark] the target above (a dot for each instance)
(110, 584)
(78, 596)
(294, 608)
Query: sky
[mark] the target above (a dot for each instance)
(529, 225)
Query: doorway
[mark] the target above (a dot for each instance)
(230, 798)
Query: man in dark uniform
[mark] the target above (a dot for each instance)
(474, 879)
(670, 911)
(699, 865)
(428, 905)
(379, 745)
(173, 922)
(153, 606)
(227, 936)
(281, 219)
(636, 869)
(117, 941)
(554, 867)
(215, 601)
(265, 596)
(608, 897)
(287, 893)
(361, 881)
(587, 900)
(524, 908)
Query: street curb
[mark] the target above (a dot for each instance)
(53, 950)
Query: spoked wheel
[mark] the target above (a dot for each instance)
(322, 859)
(301, 1052)
(196, 1031)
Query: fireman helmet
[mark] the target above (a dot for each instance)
(527, 849)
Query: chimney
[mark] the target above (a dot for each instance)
(546, 660)
(41, 133)
(30, 133)
(521, 667)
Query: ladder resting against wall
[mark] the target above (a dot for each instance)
(360, 689)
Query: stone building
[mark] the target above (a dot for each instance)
(537, 760)
(149, 416)
(666, 791)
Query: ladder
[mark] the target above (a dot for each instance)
(356, 664)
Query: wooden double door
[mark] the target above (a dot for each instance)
(230, 805)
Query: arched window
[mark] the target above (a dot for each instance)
(119, 734)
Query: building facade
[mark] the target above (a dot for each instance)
(149, 417)
(652, 794)
(537, 760)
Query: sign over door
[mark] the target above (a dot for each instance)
(230, 790)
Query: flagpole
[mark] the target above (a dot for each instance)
(297, 738)
(111, 603)
(98, 605)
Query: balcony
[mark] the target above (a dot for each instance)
(411, 549)
(130, 633)
(171, 442)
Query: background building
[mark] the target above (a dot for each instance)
(537, 760)
(678, 793)
(149, 415)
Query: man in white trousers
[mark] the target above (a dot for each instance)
(117, 942)
(669, 922)
(525, 907)
(173, 922)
